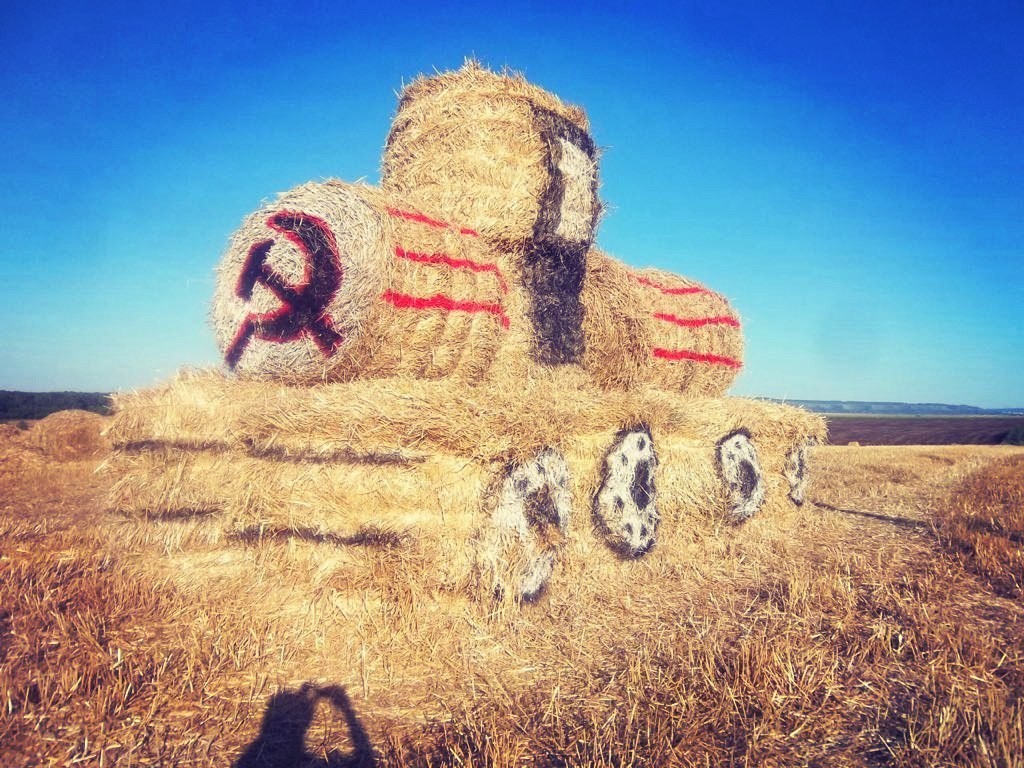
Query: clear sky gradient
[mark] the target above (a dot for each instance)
(852, 178)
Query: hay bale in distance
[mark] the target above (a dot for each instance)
(71, 435)
(8, 432)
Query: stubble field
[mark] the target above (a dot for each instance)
(880, 624)
(925, 430)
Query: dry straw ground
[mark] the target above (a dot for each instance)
(882, 624)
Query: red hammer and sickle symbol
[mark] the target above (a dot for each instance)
(304, 305)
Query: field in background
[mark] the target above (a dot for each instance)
(882, 624)
(925, 430)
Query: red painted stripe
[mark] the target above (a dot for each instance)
(423, 219)
(697, 322)
(668, 291)
(445, 303)
(697, 357)
(441, 258)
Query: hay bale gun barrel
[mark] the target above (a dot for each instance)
(649, 327)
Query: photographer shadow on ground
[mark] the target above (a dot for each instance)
(289, 715)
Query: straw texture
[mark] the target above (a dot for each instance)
(334, 281)
(473, 143)
(72, 435)
(489, 491)
(474, 261)
(647, 327)
(411, 419)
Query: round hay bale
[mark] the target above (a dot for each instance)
(8, 432)
(615, 325)
(298, 281)
(496, 153)
(70, 436)
(334, 281)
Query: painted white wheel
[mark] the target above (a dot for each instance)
(528, 523)
(741, 473)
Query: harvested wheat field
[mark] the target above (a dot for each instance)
(882, 623)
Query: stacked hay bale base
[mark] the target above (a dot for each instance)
(485, 492)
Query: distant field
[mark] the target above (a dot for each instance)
(923, 430)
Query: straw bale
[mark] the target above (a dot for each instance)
(689, 483)
(653, 328)
(337, 496)
(447, 311)
(469, 143)
(435, 507)
(335, 281)
(516, 165)
(72, 435)
(17, 463)
(446, 467)
(473, 261)
(487, 530)
(697, 344)
(298, 281)
(410, 419)
(436, 501)
(193, 409)
(616, 325)
(472, 143)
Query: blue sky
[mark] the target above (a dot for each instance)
(852, 178)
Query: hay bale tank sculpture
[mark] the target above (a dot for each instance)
(471, 272)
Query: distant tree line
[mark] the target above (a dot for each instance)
(37, 405)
